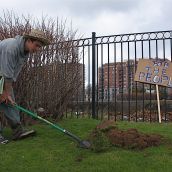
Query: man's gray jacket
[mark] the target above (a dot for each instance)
(12, 57)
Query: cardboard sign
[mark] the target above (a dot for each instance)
(157, 72)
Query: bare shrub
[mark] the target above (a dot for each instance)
(53, 76)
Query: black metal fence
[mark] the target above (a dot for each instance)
(109, 89)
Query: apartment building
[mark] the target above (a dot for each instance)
(116, 78)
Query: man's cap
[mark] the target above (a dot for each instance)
(37, 35)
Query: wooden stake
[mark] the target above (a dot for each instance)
(159, 112)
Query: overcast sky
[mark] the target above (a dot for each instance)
(105, 17)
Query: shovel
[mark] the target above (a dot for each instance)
(82, 143)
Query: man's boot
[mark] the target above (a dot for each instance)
(3, 140)
(20, 133)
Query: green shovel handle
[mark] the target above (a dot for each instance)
(34, 115)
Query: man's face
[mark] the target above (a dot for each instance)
(33, 46)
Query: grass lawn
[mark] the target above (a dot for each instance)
(51, 151)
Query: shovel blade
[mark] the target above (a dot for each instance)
(85, 144)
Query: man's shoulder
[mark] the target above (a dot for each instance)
(9, 44)
(7, 40)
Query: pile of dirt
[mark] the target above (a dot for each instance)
(107, 133)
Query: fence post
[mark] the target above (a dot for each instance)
(93, 75)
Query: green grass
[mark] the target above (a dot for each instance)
(51, 151)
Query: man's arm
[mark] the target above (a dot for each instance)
(8, 86)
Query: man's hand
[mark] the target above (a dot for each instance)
(6, 95)
(6, 98)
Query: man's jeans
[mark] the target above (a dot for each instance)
(12, 115)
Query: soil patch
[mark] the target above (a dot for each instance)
(108, 134)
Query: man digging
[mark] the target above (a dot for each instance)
(14, 52)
